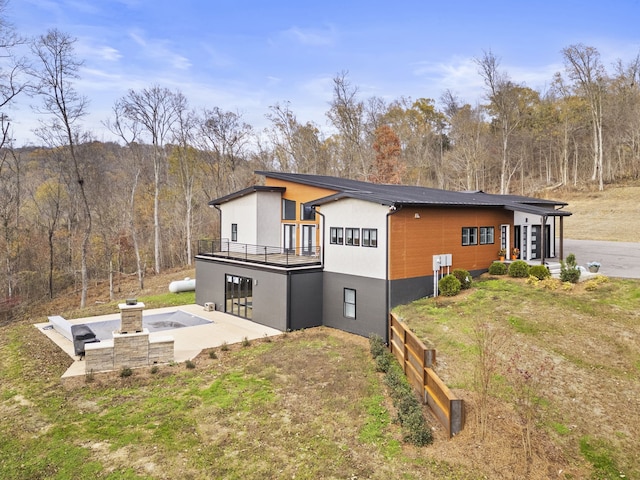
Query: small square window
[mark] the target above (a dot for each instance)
(306, 212)
(369, 237)
(469, 236)
(487, 235)
(352, 236)
(336, 235)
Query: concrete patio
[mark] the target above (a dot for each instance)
(189, 341)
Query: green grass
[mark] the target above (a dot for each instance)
(601, 456)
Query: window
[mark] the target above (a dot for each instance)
(349, 303)
(369, 237)
(288, 209)
(486, 235)
(306, 212)
(234, 232)
(336, 235)
(352, 236)
(469, 235)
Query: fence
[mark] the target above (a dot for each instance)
(417, 362)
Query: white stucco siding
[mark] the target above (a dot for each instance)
(243, 212)
(269, 206)
(529, 220)
(356, 260)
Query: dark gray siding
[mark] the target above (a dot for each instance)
(269, 290)
(371, 313)
(281, 299)
(409, 289)
(306, 300)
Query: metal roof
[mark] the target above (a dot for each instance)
(407, 195)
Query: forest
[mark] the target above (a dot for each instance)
(74, 210)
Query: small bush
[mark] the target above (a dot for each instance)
(449, 286)
(533, 280)
(594, 283)
(376, 345)
(383, 363)
(224, 347)
(540, 272)
(497, 268)
(190, 364)
(212, 354)
(89, 377)
(463, 277)
(519, 269)
(246, 342)
(126, 372)
(155, 369)
(569, 271)
(549, 283)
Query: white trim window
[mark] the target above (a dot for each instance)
(349, 303)
(234, 232)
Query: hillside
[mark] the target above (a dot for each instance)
(608, 215)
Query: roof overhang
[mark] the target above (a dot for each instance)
(244, 192)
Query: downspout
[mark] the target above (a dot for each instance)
(392, 209)
(544, 237)
(321, 235)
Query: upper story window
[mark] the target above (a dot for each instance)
(288, 209)
(336, 235)
(487, 235)
(352, 236)
(234, 232)
(469, 236)
(369, 237)
(306, 212)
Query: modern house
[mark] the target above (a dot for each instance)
(309, 250)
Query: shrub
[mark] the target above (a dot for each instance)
(569, 271)
(549, 283)
(224, 347)
(463, 277)
(497, 268)
(540, 272)
(449, 286)
(519, 269)
(246, 342)
(212, 354)
(155, 369)
(376, 345)
(190, 364)
(126, 372)
(533, 280)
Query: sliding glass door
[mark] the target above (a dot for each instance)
(239, 296)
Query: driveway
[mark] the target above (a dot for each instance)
(618, 259)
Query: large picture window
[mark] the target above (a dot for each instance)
(288, 209)
(349, 303)
(469, 235)
(369, 237)
(487, 235)
(352, 236)
(336, 235)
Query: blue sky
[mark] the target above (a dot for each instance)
(246, 55)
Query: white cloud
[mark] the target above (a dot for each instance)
(158, 49)
(311, 37)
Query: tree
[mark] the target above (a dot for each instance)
(583, 66)
(152, 113)
(58, 67)
(388, 168)
(13, 71)
(504, 106)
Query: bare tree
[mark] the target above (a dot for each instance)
(225, 137)
(504, 106)
(583, 66)
(57, 68)
(153, 112)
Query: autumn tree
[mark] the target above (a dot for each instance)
(387, 168)
(57, 69)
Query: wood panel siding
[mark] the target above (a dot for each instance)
(416, 234)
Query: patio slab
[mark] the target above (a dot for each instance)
(188, 341)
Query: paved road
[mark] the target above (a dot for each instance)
(618, 259)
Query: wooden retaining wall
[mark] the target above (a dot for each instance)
(417, 362)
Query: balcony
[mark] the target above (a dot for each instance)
(260, 254)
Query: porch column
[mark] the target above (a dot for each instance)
(561, 238)
(543, 235)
